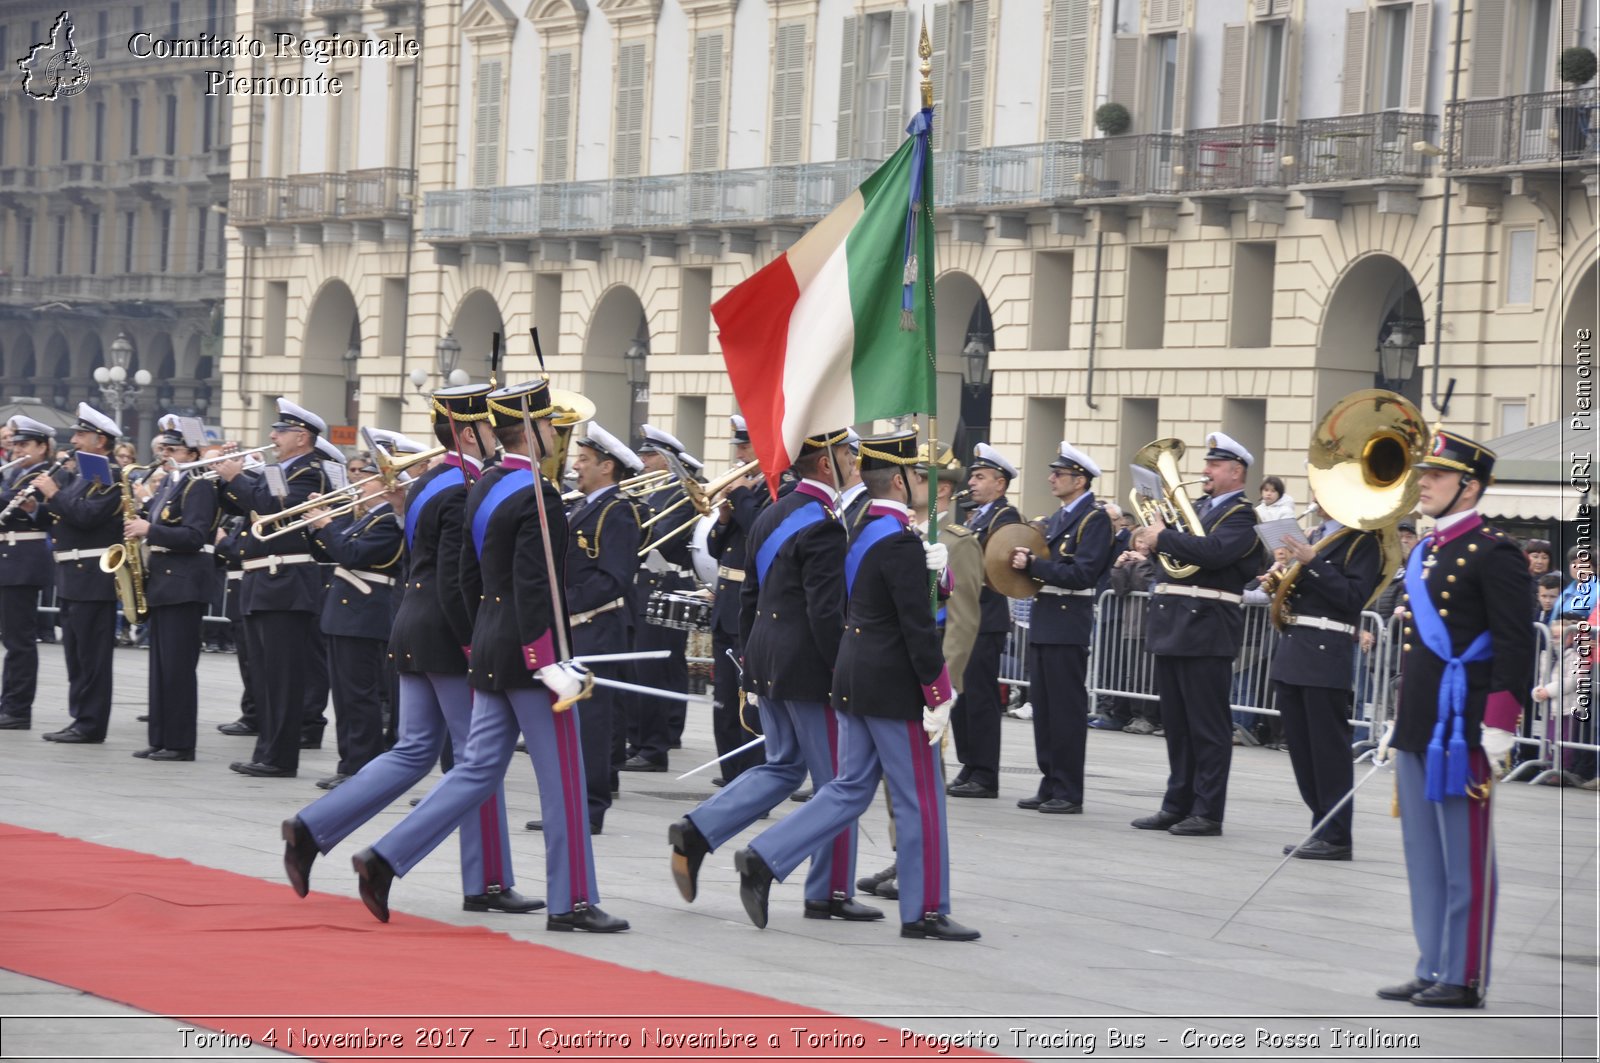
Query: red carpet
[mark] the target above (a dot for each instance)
(195, 943)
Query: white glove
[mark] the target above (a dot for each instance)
(936, 721)
(1496, 744)
(1383, 753)
(562, 680)
(936, 555)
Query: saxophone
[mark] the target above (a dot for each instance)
(125, 562)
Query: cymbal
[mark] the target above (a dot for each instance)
(997, 570)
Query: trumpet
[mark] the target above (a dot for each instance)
(342, 501)
(700, 496)
(206, 463)
(634, 486)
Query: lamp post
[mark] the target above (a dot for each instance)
(636, 366)
(1397, 352)
(976, 373)
(115, 383)
(447, 359)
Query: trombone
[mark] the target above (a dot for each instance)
(698, 495)
(342, 501)
(634, 486)
(206, 463)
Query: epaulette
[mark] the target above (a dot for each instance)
(957, 530)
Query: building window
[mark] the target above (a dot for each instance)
(130, 229)
(402, 115)
(94, 243)
(172, 125)
(133, 127)
(65, 130)
(1393, 23)
(1146, 319)
(1520, 248)
(705, 103)
(211, 16)
(166, 239)
(875, 90)
(627, 153)
(61, 244)
(27, 247)
(200, 239)
(1513, 416)
(175, 17)
(33, 139)
(102, 34)
(490, 92)
(1269, 54)
(960, 99)
(208, 111)
(99, 132)
(138, 19)
(787, 130)
(1164, 82)
(1254, 284)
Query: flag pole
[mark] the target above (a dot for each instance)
(925, 52)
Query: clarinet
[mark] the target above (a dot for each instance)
(29, 493)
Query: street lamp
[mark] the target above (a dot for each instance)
(1397, 351)
(113, 379)
(975, 358)
(636, 370)
(447, 357)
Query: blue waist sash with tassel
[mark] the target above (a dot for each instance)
(1447, 767)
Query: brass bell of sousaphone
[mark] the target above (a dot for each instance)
(997, 571)
(1360, 467)
(571, 410)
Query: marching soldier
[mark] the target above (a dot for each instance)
(520, 682)
(429, 645)
(1195, 630)
(182, 577)
(891, 691)
(736, 512)
(1079, 538)
(792, 614)
(282, 588)
(84, 518)
(1311, 670)
(26, 568)
(976, 722)
(1466, 671)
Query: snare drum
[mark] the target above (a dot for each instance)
(681, 612)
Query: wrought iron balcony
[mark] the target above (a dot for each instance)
(382, 192)
(258, 200)
(1537, 129)
(18, 178)
(78, 179)
(1355, 148)
(1142, 164)
(335, 8)
(378, 194)
(1021, 175)
(114, 288)
(277, 12)
(1232, 158)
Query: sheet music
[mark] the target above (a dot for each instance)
(338, 475)
(1274, 533)
(1146, 481)
(277, 483)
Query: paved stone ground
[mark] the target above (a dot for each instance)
(1087, 924)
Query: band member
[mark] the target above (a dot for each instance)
(792, 611)
(319, 681)
(520, 682)
(976, 722)
(365, 550)
(1195, 630)
(1079, 538)
(667, 568)
(84, 518)
(1466, 669)
(429, 644)
(181, 581)
(1311, 669)
(891, 691)
(230, 542)
(26, 568)
(282, 588)
(602, 558)
(736, 512)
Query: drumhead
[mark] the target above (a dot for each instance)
(705, 566)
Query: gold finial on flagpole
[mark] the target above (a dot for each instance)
(925, 50)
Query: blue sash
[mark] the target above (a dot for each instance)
(1447, 768)
(508, 485)
(806, 515)
(866, 539)
(414, 506)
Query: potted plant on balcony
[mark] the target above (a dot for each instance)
(1575, 67)
(1113, 119)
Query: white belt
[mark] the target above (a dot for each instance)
(207, 549)
(1183, 590)
(271, 564)
(15, 537)
(360, 580)
(77, 555)
(1081, 592)
(734, 574)
(1322, 623)
(588, 615)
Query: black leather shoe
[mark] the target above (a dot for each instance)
(941, 927)
(500, 900)
(1030, 803)
(310, 741)
(538, 824)
(800, 797)
(889, 889)
(331, 781)
(71, 736)
(142, 753)
(299, 852)
(755, 882)
(143, 719)
(1196, 827)
(1160, 821)
(719, 782)
(238, 728)
(1444, 995)
(689, 849)
(376, 876)
(637, 763)
(1406, 990)
(847, 908)
(262, 771)
(1317, 849)
(184, 755)
(586, 917)
(869, 883)
(1060, 806)
(9, 722)
(970, 789)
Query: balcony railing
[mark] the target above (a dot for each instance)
(331, 8)
(16, 178)
(258, 200)
(117, 287)
(1529, 130)
(383, 192)
(1236, 157)
(274, 11)
(1143, 164)
(69, 175)
(360, 195)
(1362, 147)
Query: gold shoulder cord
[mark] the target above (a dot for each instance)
(593, 552)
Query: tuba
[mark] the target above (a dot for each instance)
(1360, 467)
(1174, 507)
(572, 409)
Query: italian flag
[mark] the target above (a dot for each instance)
(838, 329)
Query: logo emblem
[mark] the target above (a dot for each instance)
(54, 69)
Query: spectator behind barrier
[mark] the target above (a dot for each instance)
(1275, 501)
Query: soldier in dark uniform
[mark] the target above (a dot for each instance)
(1466, 671)
(319, 676)
(792, 614)
(429, 644)
(84, 519)
(26, 568)
(282, 588)
(975, 724)
(182, 580)
(736, 513)
(891, 691)
(1311, 669)
(855, 497)
(230, 536)
(1196, 627)
(602, 557)
(519, 680)
(1079, 538)
(356, 616)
